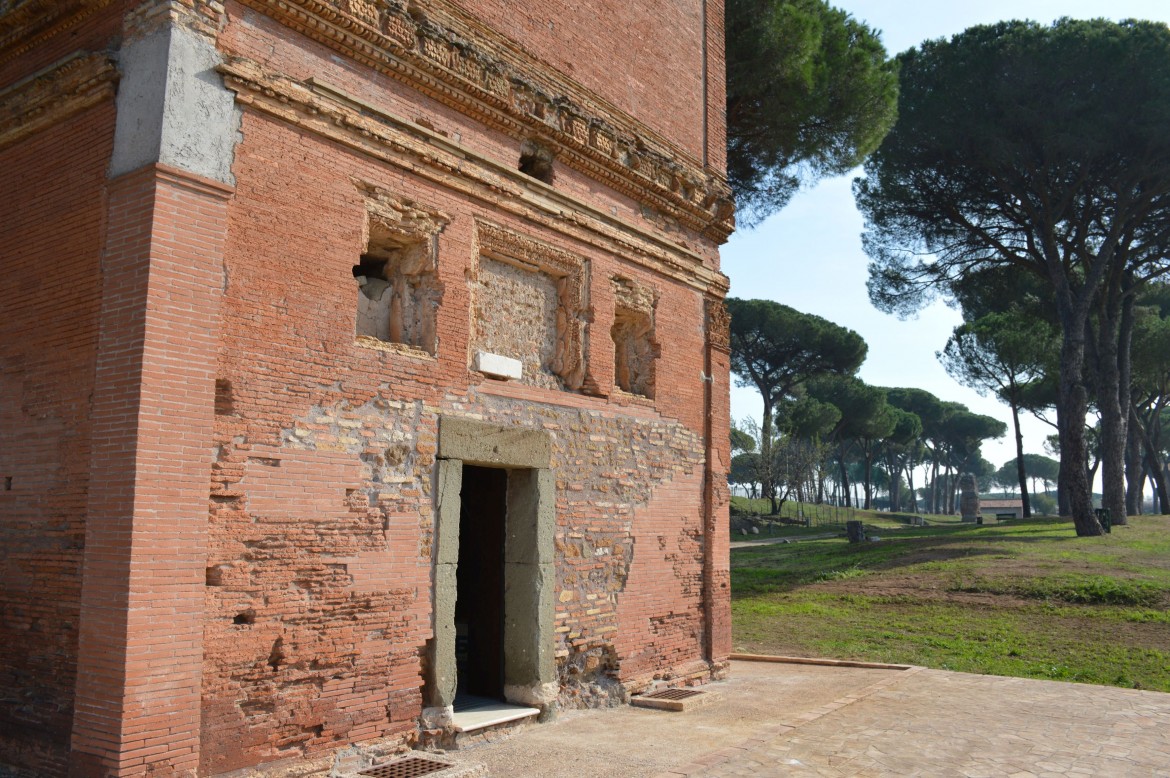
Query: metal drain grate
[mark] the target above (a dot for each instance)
(671, 699)
(672, 694)
(410, 767)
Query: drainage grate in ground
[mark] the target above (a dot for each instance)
(671, 699)
(673, 694)
(409, 767)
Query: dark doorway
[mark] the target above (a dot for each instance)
(479, 598)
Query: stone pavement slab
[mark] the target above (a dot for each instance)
(807, 720)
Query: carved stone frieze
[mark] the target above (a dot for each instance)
(323, 110)
(571, 274)
(72, 85)
(718, 325)
(439, 51)
(24, 23)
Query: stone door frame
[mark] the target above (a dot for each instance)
(529, 572)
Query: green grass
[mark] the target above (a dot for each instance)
(1024, 599)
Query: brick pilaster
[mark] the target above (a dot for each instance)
(716, 495)
(141, 629)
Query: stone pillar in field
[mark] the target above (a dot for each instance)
(968, 497)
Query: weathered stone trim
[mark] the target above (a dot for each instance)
(59, 91)
(405, 216)
(492, 445)
(330, 113)
(529, 669)
(446, 55)
(718, 325)
(572, 276)
(25, 23)
(633, 296)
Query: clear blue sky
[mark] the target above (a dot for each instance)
(809, 255)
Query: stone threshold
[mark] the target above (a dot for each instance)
(473, 713)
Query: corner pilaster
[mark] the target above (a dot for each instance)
(140, 652)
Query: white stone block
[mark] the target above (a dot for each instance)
(498, 366)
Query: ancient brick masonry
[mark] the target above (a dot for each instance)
(244, 444)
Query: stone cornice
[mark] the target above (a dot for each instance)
(25, 23)
(445, 54)
(323, 110)
(64, 88)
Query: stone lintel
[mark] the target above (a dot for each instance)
(492, 445)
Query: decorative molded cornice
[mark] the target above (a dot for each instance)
(47, 97)
(25, 23)
(323, 110)
(445, 54)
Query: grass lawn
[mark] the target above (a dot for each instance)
(1026, 598)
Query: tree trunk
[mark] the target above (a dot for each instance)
(1157, 472)
(767, 477)
(910, 485)
(1115, 321)
(1125, 382)
(1111, 441)
(1072, 405)
(1135, 471)
(867, 454)
(950, 482)
(844, 476)
(934, 481)
(1020, 473)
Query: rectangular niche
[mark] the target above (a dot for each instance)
(398, 292)
(530, 304)
(635, 350)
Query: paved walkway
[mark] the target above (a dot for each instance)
(767, 541)
(804, 720)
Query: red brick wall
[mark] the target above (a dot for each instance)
(291, 618)
(52, 201)
(716, 87)
(270, 43)
(93, 33)
(141, 640)
(718, 561)
(318, 608)
(643, 57)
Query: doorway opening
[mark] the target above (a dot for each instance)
(479, 598)
(494, 577)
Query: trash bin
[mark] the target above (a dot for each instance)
(1105, 519)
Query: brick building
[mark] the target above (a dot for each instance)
(391, 365)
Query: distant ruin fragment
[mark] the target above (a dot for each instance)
(968, 497)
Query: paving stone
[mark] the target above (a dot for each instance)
(793, 720)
